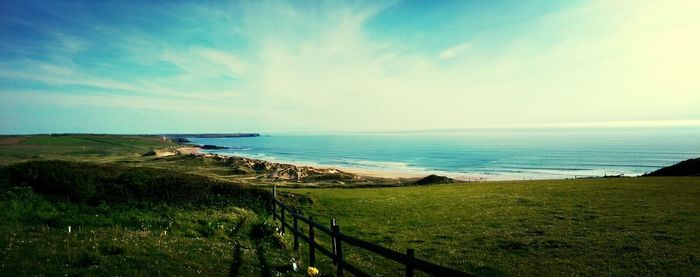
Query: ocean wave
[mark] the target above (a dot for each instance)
(378, 164)
(495, 172)
(461, 159)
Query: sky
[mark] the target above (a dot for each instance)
(337, 66)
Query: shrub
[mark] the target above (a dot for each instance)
(104, 184)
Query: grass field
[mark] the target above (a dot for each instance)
(623, 226)
(133, 222)
(112, 241)
(98, 148)
(134, 215)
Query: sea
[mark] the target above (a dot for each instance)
(488, 154)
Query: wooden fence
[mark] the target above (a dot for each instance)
(408, 259)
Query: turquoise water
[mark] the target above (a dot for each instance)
(491, 154)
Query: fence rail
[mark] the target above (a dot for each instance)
(407, 259)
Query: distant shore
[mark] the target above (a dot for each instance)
(365, 172)
(393, 174)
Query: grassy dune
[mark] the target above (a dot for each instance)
(627, 226)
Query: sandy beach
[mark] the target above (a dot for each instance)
(378, 173)
(172, 151)
(189, 150)
(391, 174)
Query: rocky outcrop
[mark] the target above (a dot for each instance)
(212, 147)
(280, 171)
(180, 140)
(305, 173)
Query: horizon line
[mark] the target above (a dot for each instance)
(536, 126)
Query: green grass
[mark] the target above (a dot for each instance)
(626, 226)
(121, 204)
(132, 221)
(99, 148)
(120, 240)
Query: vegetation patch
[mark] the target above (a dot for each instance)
(434, 179)
(102, 219)
(620, 226)
(109, 183)
(690, 167)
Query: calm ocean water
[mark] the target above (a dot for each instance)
(492, 154)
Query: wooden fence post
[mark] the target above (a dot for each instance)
(296, 230)
(410, 254)
(338, 247)
(312, 243)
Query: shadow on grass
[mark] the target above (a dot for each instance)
(263, 258)
(264, 237)
(235, 268)
(264, 266)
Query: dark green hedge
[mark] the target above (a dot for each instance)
(93, 184)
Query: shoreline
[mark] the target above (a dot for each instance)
(389, 174)
(366, 172)
(407, 174)
(396, 175)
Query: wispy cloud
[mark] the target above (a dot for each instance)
(59, 75)
(327, 66)
(453, 51)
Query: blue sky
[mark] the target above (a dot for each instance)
(260, 66)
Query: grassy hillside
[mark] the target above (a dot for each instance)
(129, 151)
(100, 148)
(109, 183)
(689, 167)
(187, 215)
(624, 226)
(131, 221)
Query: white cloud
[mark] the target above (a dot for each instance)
(228, 63)
(331, 75)
(205, 62)
(453, 51)
(317, 68)
(59, 75)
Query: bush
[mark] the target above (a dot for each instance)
(434, 179)
(111, 249)
(104, 184)
(263, 230)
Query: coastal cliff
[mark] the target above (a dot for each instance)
(689, 167)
